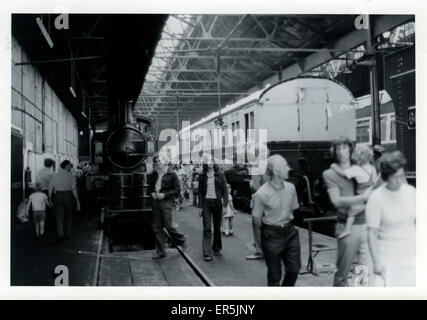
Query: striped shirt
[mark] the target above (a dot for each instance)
(210, 192)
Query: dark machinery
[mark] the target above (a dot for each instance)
(128, 213)
(308, 160)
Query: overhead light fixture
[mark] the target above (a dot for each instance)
(73, 92)
(44, 32)
(83, 114)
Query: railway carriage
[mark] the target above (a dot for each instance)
(301, 116)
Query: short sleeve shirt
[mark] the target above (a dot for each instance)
(345, 187)
(393, 213)
(275, 206)
(38, 201)
(358, 173)
(43, 178)
(63, 181)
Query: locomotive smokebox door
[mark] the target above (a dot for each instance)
(126, 147)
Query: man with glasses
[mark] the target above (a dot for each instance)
(164, 187)
(274, 204)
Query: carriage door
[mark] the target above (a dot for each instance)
(249, 124)
(313, 118)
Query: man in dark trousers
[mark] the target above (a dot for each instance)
(164, 187)
(274, 204)
(63, 196)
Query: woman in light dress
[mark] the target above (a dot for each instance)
(391, 218)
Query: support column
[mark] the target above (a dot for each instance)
(373, 79)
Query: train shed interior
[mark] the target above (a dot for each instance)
(77, 80)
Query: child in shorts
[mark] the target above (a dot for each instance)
(38, 202)
(366, 177)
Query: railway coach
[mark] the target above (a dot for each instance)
(301, 116)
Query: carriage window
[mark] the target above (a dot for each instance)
(235, 126)
(383, 128)
(363, 130)
(249, 123)
(252, 120)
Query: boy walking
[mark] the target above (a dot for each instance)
(38, 200)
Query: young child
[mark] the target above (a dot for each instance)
(228, 215)
(195, 189)
(366, 177)
(38, 200)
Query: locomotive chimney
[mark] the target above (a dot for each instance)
(125, 112)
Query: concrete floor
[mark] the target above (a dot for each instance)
(231, 268)
(35, 265)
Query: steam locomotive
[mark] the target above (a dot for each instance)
(126, 205)
(124, 147)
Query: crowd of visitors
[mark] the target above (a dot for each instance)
(376, 214)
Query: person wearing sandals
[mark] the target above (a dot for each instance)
(213, 199)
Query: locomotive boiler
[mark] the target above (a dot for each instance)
(128, 206)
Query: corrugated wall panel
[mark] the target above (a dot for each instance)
(60, 128)
(28, 82)
(49, 130)
(16, 99)
(38, 137)
(16, 118)
(37, 89)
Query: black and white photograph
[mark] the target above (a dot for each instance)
(177, 148)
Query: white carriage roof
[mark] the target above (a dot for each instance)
(247, 51)
(256, 96)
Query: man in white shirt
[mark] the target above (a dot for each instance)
(274, 204)
(45, 174)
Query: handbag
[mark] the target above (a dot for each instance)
(21, 213)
